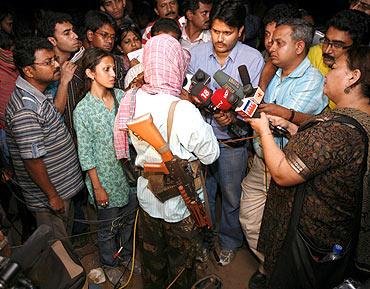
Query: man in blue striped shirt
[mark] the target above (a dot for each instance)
(41, 148)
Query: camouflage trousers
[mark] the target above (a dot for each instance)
(166, 250)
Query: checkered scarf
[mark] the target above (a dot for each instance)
(165, 64)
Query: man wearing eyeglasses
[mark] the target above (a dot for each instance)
(360, 5)
(99, 32)
(43, 155)
(346, 29)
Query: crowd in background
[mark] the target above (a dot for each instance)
(71, 80)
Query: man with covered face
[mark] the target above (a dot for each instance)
(170, 239)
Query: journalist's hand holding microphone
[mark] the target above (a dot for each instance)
(224, 118)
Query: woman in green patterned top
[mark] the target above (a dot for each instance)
(106, 181)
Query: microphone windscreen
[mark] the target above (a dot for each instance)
(244, 75)
(226, 81)
(220, 99)
(220, 77)
(201, 94)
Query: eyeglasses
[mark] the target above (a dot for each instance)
(334, 44)
(48, 62)
(362, 6)
(106, 36)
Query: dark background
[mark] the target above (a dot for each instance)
(321, 10)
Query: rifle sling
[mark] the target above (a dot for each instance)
(171, 112)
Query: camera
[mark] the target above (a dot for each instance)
(11, 276)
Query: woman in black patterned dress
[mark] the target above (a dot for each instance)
(323, 162)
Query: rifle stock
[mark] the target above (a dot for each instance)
(144, 127)
(156, 168)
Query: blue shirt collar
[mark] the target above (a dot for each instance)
(299, 71)
(30, 89)
(232, 55)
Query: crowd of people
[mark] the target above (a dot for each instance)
(71, 91)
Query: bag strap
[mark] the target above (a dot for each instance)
(171, 112)
(300, 196)
(359, 194)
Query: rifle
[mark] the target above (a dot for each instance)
(144, 128)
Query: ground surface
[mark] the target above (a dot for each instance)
(233, 276)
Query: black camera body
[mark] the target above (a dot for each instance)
(11, 276)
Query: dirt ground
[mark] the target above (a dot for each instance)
(233, 276)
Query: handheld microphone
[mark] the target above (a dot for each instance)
(220, 99)
(226, 81)
(200, 77)
(246, 80)
(236, 88)
(201, 95)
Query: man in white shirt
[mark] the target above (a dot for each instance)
(196, 29)
(170, 239)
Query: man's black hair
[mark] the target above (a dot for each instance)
(232, 12)
(6, 40)
(281, 11)
(24, 52)
(46, 27)
(166, 25)
(356, 23)
(301, 30)
(96, 19)
(5, 10)
(193, 5)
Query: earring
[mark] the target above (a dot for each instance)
(347, 90)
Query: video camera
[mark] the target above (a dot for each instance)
(11, 276)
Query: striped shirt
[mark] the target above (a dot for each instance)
(34, 130)
(301, 90)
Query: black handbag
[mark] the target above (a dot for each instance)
(300, 264)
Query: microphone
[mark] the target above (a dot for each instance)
(236, 88)
(201, 95)
(224, 100)
(246, 80)
(220, 99)
(200, 77)
(226, 81)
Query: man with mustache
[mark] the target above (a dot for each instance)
(225, 52)
(164, 9)
(346, 29)
(296, 86)
(196, 29)
(42, 151)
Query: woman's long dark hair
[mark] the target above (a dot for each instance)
(90, 60)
